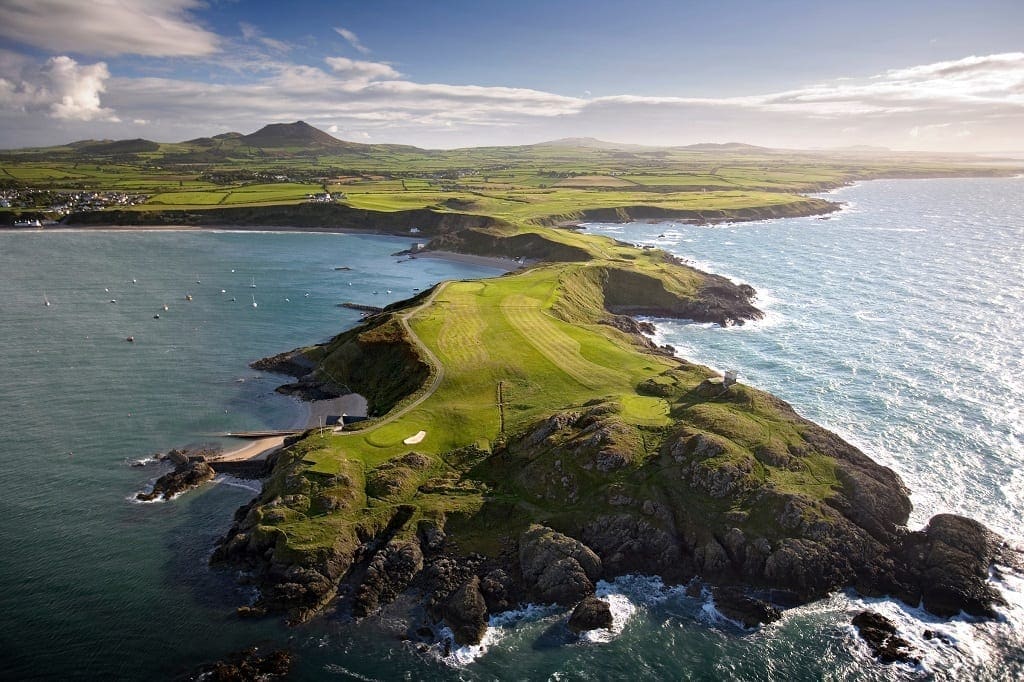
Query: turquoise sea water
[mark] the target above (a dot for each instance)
(898, 323)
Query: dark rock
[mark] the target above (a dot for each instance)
(249, 665)
(881, 637)
(387, 575)
(632, 544)
(497, 588)
(590, 614)
(556, 567)
(250, 612)
(431, 535)
(466, 613)
(734, 603)
(947, 565)
(184, 477)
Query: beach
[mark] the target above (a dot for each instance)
(316, 410)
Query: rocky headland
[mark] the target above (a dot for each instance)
(733, 490)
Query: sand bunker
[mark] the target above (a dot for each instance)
(412, 440)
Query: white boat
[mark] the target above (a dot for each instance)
(253, 285)
(46, 301)
(254, 303)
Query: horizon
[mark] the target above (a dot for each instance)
(854, 148)
(663, 75)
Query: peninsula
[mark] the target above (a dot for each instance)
(526, 437)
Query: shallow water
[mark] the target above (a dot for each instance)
(897, 323)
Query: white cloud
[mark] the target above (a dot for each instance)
(61, 87)
(372, 97)
(353, 69)
(252, 33)
(352, 39)
(158, 28)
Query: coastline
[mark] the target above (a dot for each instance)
(261, 448)
(506, 264)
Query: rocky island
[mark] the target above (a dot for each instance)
(559, 446)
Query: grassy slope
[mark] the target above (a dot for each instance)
(537, 333)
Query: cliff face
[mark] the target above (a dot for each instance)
(375, 359)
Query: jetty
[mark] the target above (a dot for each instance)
(259, 434)
(361, 306)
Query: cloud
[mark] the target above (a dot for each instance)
(61, 87)
(373, 97)
(353, 69)
(251, 33)
(352, 39)
(157, 28)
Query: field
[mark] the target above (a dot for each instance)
(503, 331)
(527, 183)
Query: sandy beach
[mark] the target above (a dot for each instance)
(316, 410)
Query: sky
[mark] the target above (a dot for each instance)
(905, 74)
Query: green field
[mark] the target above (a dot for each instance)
(534, 182)
(503, 330)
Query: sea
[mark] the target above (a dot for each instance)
(897, 322)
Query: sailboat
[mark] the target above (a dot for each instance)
(46, 301)
(254, 303)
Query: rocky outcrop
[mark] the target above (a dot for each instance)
(946, 567)
(736, 604)
(375, 359)
(590, 614)
(185, 476)
(883, 639)
(247, 665)
(556, 568)
(466, 613)
(387, 575)
(675, 294)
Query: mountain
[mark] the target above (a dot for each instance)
(298, 134)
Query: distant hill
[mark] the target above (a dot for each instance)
(102, 147)
(590, 143)
(862, 148)
(724, 147)
(298, 134)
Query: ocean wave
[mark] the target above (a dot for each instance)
(254, 486)
(443, 649)
(335, 669)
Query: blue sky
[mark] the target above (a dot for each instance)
(909, 75)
